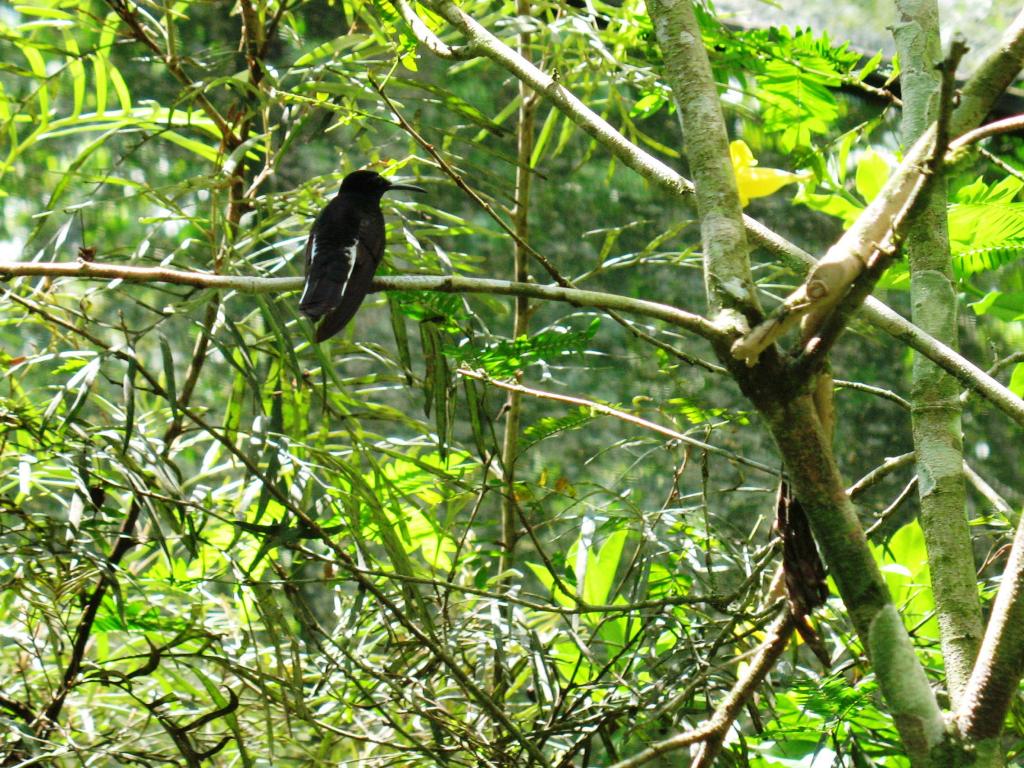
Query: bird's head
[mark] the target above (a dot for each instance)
(371, 183)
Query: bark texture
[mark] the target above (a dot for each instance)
(818, 484)
(935, 402)
(727, 277)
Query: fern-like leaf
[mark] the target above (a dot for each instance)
(985, 259)
(507, 356)
(549, 425)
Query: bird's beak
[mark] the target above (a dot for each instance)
(409, 187)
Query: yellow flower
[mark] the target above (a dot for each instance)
(756, 182)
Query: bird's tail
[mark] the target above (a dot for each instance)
(335, 320)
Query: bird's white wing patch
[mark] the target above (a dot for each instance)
(312, 251)
(309, 269)
(350, 254)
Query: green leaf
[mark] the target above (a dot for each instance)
(604, 565)
(1017, 380)
(572, 665)
(648, 104)
(82, 382)
(77, 70)
(548, 426)
(38, 67)
(903, 561)
(401, 337)
(44, 12)
(204, 151)
(168, 360)
(984, 304)
(324, 50)
(128, 390)
(831, 204)
(120, 87)
(986, 228)
(99, 68)
(870, 66)
(793, 83)
(478, 418)
(1003, 191)
(111, 23)
(985, 259)
(544, 136)
(873, 169)
(436, 381)
(544, 576)
(444, 308)
(696, 413)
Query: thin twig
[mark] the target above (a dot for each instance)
(607, 410)
(413, 627)
(999, 504)
(886, 394)
(978, 95)
(47, 720)
(886, 468)
(1014, 124)
(775, 643)
(890, 510)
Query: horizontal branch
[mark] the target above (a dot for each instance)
(947, 358)
(1013, 124)
(437, 283)
(881, 315)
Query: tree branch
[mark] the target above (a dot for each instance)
(423, 636)
(993, 684)
(170, 60)
(870, 238)
(439, 283)
(1012, 124)
(47, 719)
(816, 481)
(521, 244)
(991, 495)
(951, 361)
(521, 254)
(427, 38)
(927, 83)
(727, 277)
(991, 78)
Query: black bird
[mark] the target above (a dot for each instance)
(343, 251)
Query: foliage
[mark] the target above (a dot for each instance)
(222, 543)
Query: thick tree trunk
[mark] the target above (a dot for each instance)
(935, 401)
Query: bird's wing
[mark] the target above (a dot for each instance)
(353, 293)
(329, 265)
(368, 252)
